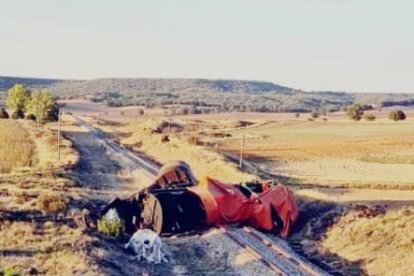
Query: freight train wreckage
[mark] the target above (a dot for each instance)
(177, 203)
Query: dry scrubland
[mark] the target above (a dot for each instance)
(140, 137)
(32, 196)
(16, 148)
(347, 239)
(383, 242)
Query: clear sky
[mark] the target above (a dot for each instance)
(343, 45)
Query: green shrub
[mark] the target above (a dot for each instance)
(110, 227)
(369, 117)
(9, 272)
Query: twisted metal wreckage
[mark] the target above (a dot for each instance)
(176, 203)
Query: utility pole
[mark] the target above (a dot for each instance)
(195, 134)
(241, 153)
(58, 138)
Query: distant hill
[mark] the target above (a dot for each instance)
(213, 95)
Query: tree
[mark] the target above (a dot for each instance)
(41, 103)
(355, 112)
(314, 114)
(397, 115)
(17, 97)
(4, 114)
(53, 113)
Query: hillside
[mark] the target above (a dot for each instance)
(209, 95)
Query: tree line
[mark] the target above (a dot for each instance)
(38, 105)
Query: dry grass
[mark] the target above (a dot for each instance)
(204, 162)
(31, 240)
(16, 147)
(335, 153)
(384, 242)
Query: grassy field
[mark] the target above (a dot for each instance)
(16, 148)
(336, 153)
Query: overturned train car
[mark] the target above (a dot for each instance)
(176, 202)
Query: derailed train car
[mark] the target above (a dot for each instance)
(176, 203)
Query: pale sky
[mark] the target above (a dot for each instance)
(342, 45)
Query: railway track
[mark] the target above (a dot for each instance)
(272, 251)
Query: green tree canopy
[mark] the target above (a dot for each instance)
(17, 97)
(40, 104)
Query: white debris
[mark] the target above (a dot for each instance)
(147, 246)
(112, 215)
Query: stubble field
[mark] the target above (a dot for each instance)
(334, 153)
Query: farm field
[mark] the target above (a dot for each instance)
(335, 153)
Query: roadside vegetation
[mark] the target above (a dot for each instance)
(17, 149)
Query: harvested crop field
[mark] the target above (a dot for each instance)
(16, 148)
(358, 154)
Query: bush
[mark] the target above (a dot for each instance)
(140, 111)
(10, 272)
(53, 113)
(397, 115)
(18, 114)
(111, 225)
(4, 114)
(31, 117)
(314, 115)
(355, 112)
(369, 117)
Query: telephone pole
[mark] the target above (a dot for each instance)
(58, 136)
(241, 152)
